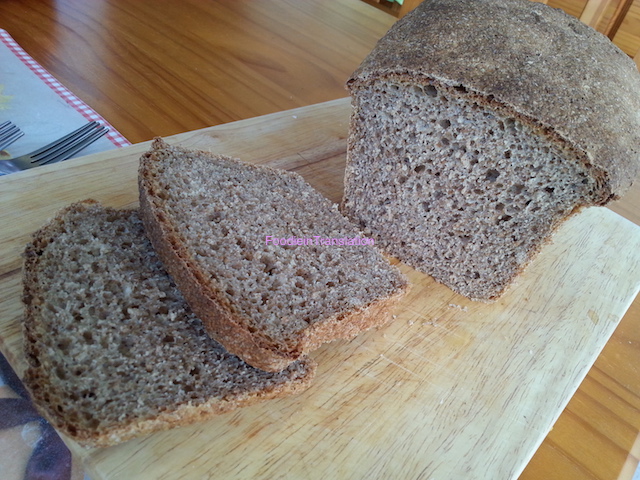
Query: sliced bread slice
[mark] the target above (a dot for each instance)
(478, 128)
(113, 349)
(215, 222)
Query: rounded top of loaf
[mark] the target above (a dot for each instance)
(536, 61)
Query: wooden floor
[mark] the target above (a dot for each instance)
(240, 59)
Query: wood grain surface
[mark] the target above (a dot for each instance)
(165, 67)
(161, 68)
(451, 389)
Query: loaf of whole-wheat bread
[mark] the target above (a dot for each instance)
(478, 127)
(213, 220)
(113, 349)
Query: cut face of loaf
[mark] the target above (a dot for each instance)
(478, 128)
(457, 190)
(210, 217)
(113, 349)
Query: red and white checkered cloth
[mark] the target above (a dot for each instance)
(72, 100)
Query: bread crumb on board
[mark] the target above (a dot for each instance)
(459, 307)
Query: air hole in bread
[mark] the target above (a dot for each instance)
(60, 373)
(431, 91)
(214, 216)
(63, 345)
(87, 337)
(491, 175)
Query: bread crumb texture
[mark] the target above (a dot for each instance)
(462, 193)
(221, 211)
(113, 349)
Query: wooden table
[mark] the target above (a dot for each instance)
(164, 67)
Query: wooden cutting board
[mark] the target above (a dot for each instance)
(452, 389)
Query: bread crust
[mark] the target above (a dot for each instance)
(526, 60)
(36, 377)
(223, 323)
(183, 415)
